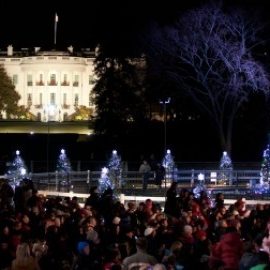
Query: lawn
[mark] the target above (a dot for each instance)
(75, 127)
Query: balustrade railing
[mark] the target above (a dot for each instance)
(82, 181)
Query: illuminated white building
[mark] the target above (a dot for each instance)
(52, 84)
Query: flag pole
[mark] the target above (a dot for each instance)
(55, 27)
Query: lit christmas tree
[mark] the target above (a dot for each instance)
(200, 187)
(263, 186)
(115, 171)
(226, 168)
(17, 170)
(104, 181)
(63, 163)
(169, 165)
(265, 167)
(64, 169)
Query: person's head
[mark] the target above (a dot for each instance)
(22, 251)
(131, 205)
(248, 246)
(219, 196)
(187, 230)
(222, 223)
(25, 219)
(222, 210)
(258, 241)
(149, 231)
(93, 190)
(263, 257)
(175, 246)
(92, 222)
(141, 243)
(35, 210)
(174, 185)
(148, 203)
(83, 248)
(159, 266)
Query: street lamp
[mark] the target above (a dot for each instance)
(164, 103)
(49, 113)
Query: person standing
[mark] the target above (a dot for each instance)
(145, 170)
(159, 174)
(141, 258)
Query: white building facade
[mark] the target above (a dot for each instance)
(52, 84)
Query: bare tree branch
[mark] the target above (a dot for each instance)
(209, 54)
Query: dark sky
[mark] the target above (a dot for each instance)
(84, 23)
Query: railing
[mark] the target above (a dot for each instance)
(82, 181)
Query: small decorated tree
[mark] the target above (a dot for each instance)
(17, 170)
(169, 165)
(115, 171)
(104, 182)
(226, 168)
(63, 163)
(265, 167)
(63, 169)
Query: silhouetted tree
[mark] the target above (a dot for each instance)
(118, 94)
(9, 97)
(209, 54)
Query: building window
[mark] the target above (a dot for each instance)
(40, 98)
(52, 98)
(29, 80)
(40, 80)
(65, 105)
(39, 105)
(91, 79)
(65, 80)
(65, 99)
(15, 79)
(52, 81)
(29, 100)
(76, 80)
(76, 100)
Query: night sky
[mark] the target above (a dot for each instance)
(86, 23)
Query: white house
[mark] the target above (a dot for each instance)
(51, 83)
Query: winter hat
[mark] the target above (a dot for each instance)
(235, 213)
(148, 231)
(200, 235)
(81, 246)
(93, 236)
(116, 220)
(188, 229)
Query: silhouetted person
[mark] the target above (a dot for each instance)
(93, 200)
(6, 195)
(145, 169)
(171, 200)
(159, 174)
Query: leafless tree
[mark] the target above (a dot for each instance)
(209, 53)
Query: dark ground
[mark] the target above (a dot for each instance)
(190, 142)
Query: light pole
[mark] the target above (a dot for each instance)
(50, 112)
(164, 102)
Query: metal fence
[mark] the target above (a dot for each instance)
(82, 181)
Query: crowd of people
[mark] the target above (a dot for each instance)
(102, 233)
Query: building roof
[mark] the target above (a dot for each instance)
(37, 51)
